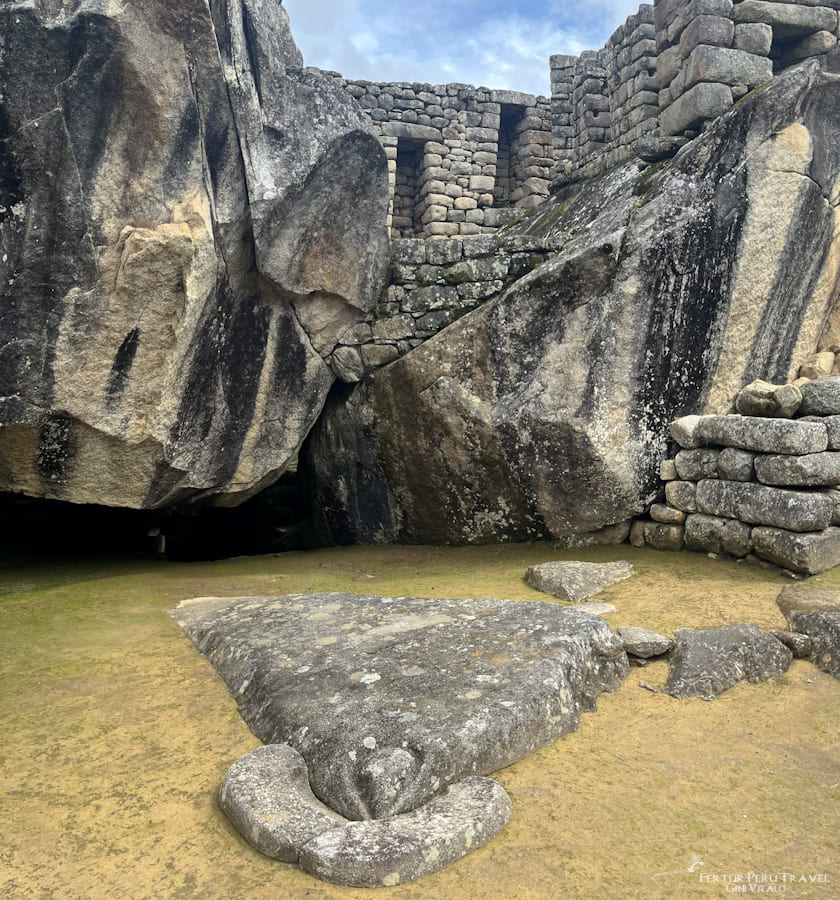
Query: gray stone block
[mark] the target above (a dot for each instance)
(576, 581)
(763, 435)
(401, 849)
(759, 504)
(712, 534)
(809, 470)
(693, 465)
(774, 401)
(664, 537)
(408, 251)
(667, 515)
(823, 628)
(266, 796)
(798, 644)
(787, 19)
(717, 31)
(644, 643)
(821, 397)
(695, 106)
(710, 661)
(682, 495)
(807, 599)
(736, 465)
(807, 554)
(723, 65)
(754, 37)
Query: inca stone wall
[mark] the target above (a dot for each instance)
(672, 67)
(462, 160)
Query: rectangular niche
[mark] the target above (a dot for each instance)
(406, 222)
(508, 166)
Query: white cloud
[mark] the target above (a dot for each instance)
(388, 40)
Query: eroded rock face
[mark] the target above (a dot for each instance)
(544, 412)
(174, 190)
(389, 700)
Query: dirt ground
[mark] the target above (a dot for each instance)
(115, 734)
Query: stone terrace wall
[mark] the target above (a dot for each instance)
(460, 157)
(672, 67)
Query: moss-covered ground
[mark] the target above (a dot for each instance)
(115, 734)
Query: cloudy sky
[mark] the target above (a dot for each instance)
(496, 43)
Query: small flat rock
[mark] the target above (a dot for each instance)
(593, 608)
(804, 598)
(643, 643)
(709, 661)
(397, 850)
(798, 644)
(575, 581)
(823, 628)
(391, 699)
(266, 796)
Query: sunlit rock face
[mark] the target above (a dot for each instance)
(179, 201)
(545, 411)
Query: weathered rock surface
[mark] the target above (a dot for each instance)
(807, 554)
(576, 581)
(186, 219)
(644, 643)
(692, 465)
(389, 700)
(776, 401)
(763, 505)
(545, 411)
(823, 628)
(798, 644)
(736, 465)
(400, 849)
(710, 661)
(266, 796)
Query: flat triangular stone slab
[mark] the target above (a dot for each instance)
(576, 581)
(389, 700)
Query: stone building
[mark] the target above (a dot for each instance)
(466, 161)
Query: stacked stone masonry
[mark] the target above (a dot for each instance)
(433, 283)
(463, 159)
(752, 486)
(460, 158)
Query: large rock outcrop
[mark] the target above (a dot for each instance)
(544, 412)
(188, 219)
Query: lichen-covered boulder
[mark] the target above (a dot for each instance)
(391, 699)
(179, 203)
(545, 411)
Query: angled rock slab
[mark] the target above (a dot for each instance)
(804, 598)
(266, 796)
(644, 643)
(823, 628)
(576, 581)
(400, 849)
(389, 700)
(710, 661)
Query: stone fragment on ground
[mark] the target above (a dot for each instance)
(389, 700)
(798, 644)
(397, 850)
(266, 796)
(823, 628)
(576, 581)
(709, 661)
(644, 643)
